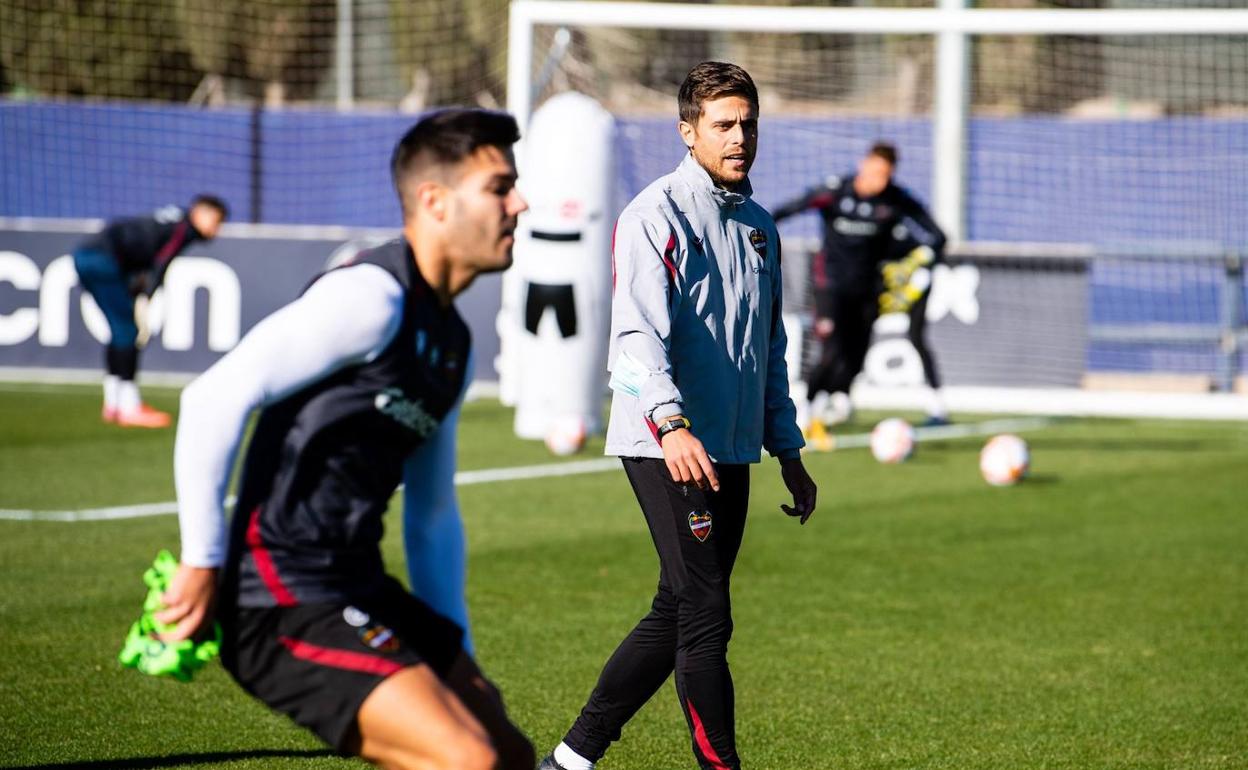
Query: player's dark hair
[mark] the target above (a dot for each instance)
(212, 202)
(885, 150)
(711, 80)
(446, 138)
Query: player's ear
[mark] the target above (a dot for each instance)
(431, 198)
(687, 133)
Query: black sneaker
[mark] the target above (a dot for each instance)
(549, 763)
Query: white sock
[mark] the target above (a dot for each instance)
(840, 408)
(819, 406)
(127, 396)
(111, 384)
(803, 413)
(570, 760)
(936, 404)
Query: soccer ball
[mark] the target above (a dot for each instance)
(892, 441)
(566, 435)
(1004, 460)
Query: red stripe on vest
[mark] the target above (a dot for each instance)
(265, 565)
(704, 743)
(173, 244)
(344, 659)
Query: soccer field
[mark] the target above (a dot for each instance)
(1095, 616)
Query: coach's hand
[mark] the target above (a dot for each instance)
(688, 461)
(824, 327)
(189, 602)
(801, 486)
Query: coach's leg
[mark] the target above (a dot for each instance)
(703, 680)
(645, 659)
(411, 721)
(633, 674)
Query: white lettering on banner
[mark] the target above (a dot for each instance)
(954, 292)
(20, 325)
(186, 277)
(59, 278)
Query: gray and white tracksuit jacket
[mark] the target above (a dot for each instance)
(695, 322)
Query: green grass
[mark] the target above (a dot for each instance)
(1093, 617)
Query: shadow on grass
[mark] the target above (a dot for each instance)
(175, 760)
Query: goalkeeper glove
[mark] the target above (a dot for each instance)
(144, 651)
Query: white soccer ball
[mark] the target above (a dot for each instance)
(892, 441)
(1005, 460)
(566, 435)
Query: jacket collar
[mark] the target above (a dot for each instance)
(699, 181)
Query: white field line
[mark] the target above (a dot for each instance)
(545, 470)
(944, 432)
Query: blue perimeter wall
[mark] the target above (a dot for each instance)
(1029, 178)
(1106, 182)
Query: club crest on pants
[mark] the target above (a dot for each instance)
(700, 525)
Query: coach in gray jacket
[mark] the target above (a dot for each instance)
(699, 380)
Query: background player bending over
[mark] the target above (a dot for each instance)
(859, 213)
(358, 382)
(121, 267)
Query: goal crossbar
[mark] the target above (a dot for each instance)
(970, 21)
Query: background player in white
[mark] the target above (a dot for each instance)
(358, 381)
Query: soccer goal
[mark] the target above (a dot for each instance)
(1088, 164)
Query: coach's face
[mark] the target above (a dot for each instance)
(483, 210)
(725, 139)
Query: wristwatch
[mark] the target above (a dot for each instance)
(676, 423)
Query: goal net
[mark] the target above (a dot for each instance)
(286, 108)
(1097, 194)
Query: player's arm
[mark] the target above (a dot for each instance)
(815, 198)
(781, 436)
(433, 532)
(642, 307)
(918, 213)
(345, 318)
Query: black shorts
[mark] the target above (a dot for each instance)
(317, 663)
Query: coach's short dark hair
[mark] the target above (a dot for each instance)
(212, 202)
(446, 138)
(711, 80)
(885, 150)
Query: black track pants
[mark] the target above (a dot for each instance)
(697, 536)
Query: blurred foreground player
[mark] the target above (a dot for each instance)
(859, 214)
(358, 382)
(121, 267)
(700, 387)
